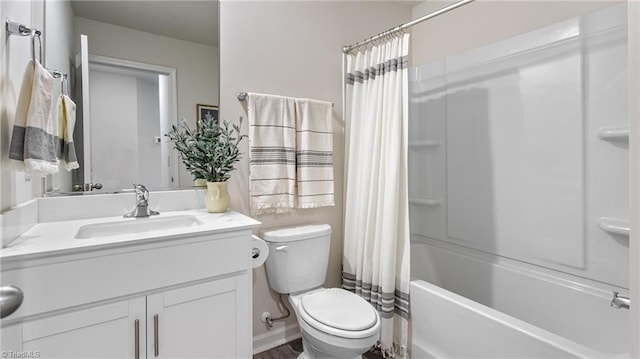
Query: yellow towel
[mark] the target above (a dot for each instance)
(66, 122)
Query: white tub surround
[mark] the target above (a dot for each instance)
(173, 285)
(480, 331)
(520, 148)
(519, 196)
(575, 309)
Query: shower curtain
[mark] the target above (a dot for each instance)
(376, 230)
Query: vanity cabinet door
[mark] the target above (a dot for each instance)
(10, 341)
(106, 331)
(199, 321)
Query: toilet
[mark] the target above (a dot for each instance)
(335, 323)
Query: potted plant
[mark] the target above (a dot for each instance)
(211, 154)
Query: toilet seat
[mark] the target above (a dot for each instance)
(339, 312)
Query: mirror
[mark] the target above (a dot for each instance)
(147, 64)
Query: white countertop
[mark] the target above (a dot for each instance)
(56, 238)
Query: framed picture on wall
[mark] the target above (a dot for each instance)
(206, 113)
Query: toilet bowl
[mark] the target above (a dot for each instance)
(345, 330)
(335, 323)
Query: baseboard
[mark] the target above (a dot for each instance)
(275, 337)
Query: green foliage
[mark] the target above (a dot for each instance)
(210, 153)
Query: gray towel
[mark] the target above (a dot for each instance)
(32, 147)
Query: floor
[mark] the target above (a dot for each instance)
(292, 349)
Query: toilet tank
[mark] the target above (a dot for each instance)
(298, 257)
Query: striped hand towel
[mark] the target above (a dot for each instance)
(32, 147)
(66, 150)
(314, 153)
(272, 146)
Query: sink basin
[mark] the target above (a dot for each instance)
(135, 226)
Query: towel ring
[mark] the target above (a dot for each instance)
(33, 47)
(64, 85)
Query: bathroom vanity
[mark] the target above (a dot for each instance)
(169, 286)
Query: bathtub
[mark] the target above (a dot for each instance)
(508, 310)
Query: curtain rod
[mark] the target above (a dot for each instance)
(446, 9)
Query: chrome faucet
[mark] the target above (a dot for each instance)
(620, 301)
(142, 203)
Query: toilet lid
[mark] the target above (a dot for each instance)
(339, 309)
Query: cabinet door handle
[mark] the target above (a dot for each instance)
(10, 300)
(136, 333)
(156, 339)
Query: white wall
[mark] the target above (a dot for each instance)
(196, 64)
(293, 49)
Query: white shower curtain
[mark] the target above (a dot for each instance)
(376, 239)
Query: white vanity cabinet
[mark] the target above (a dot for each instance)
(200, 321)
(177, 297)
(105, 331)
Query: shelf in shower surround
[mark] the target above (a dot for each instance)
(417, 145)
(614, 133)
(614, 225)
(425, 201)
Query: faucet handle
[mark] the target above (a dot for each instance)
(142, 194)
(139, 187)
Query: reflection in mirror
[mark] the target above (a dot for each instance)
(149, 63)
(130, 105)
